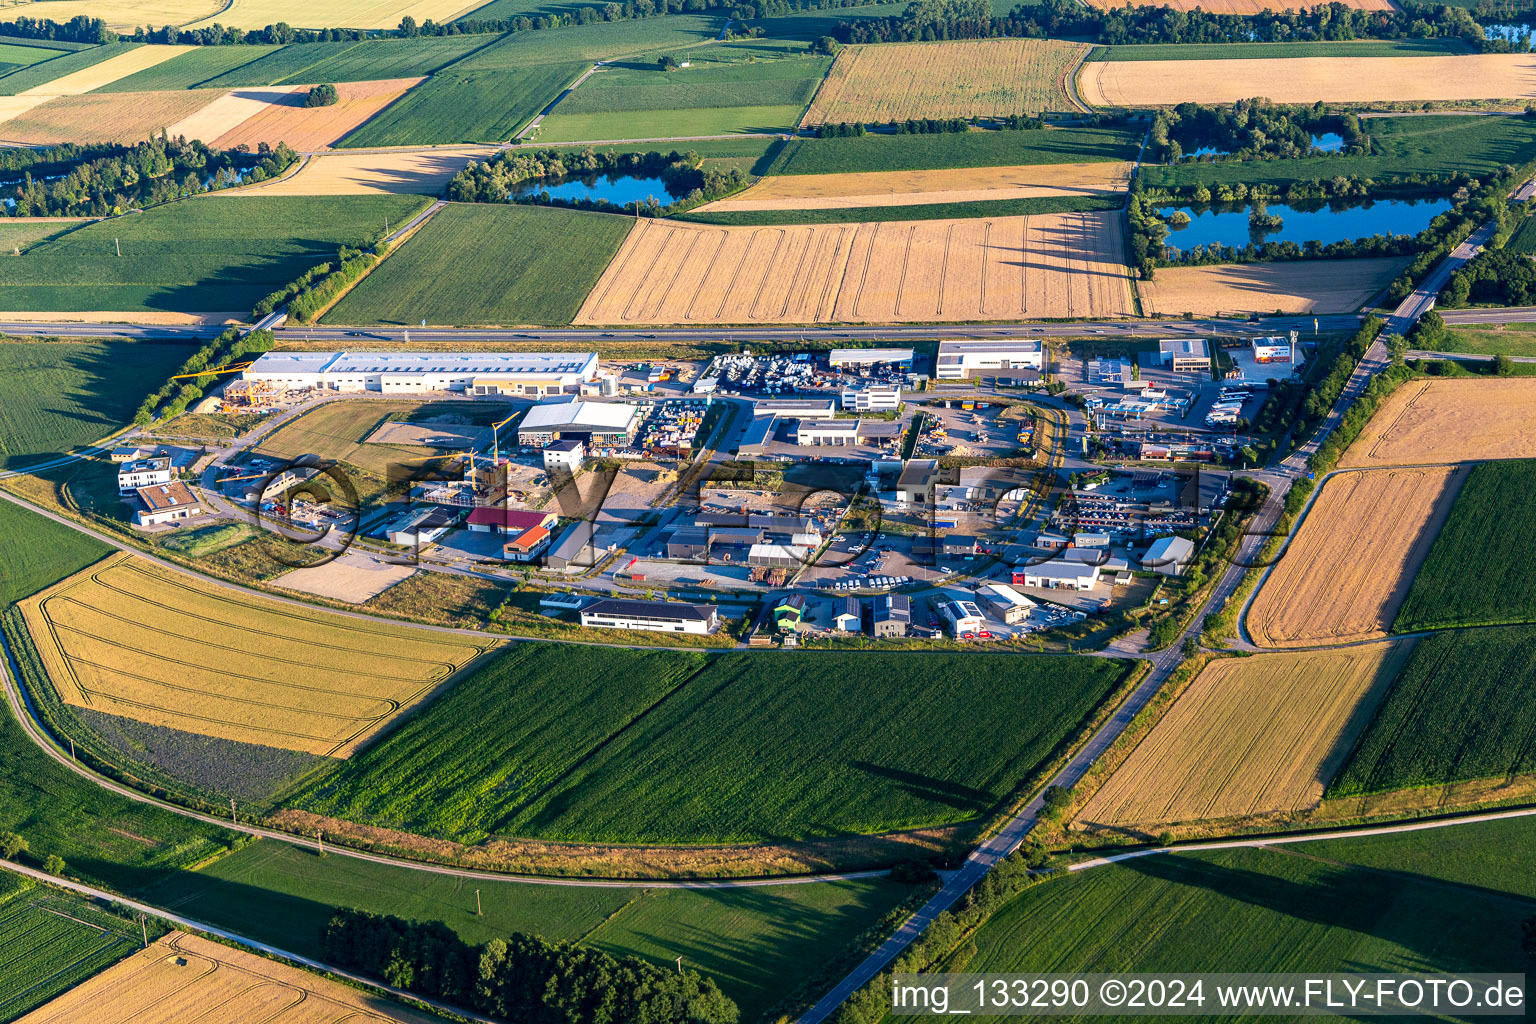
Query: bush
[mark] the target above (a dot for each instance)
(11, 844)
(322, 96)
(54, 865)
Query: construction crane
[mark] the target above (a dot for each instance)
(496, 438)
(229, 368)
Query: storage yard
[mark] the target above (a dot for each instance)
(946, 270)
(1429, 421)
(1348, 568)
(130, 638)
(1250, 736)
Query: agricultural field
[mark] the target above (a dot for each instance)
(742, 724)
(942, 270)
(215, 255)
(756, 942)
(1497, 339)
(83, 78)
(1228, 51)
(1397, 80)
(51, 940)
(124, 118)
(20, 55)
(640, 101)
(601, 40)
(229, 110)
(1461, 709)
(484, 264)
(1426, 421)
(1261, 909)
(186, 979)
(883, 153)
(43, 553)
(451, 108)
(34, 76)
(287, 119)
(18, 234)
(367, 60)
(197, 68)
(1347, 570)
(130, 638)
(1490, 527)
(125, 15)
(342, 430)
(1237, 289)
(257, 14)
(972, 78)
(994, 208)
(347, 173)
(1401, 147)
(910, 188)
(55, 395)
(1250, 736)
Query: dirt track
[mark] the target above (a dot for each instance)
(1054, 265)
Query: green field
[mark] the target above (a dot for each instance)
(24, 235)
(1236, 51)
(1481, 569)
(42, 553)
(926, 211)
(609, 40)
(489, 264)
(196, 67)
(1505, 339)
(718, 98)
(1463, 707)
(1524, 238)
(971, 149)
(453, 106)
(750, 749)
(350, 61)
(1496, 856)
(758, 943)
(1402, 147)
(1253, 910)
(13, 55)
(44, 72)
(52, 940)
(217, 254)
(55, 395)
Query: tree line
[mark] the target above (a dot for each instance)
(927, 20)
(1254, 129)
(496, 180)
(103, 179)
(521, 978)
(1497, 276)
(927, 126)
(313, 291)
(172, 399)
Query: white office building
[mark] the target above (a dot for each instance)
(1273, 350)
(875, 399)
(861, 358)
(473, 373)
(144, 473)
(959, 360)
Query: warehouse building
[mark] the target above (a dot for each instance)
(844, 433)
(166, 503)
(863, 358)
(1185, 355)
(657, 616)
(565, 455)
(1273, 350)
(475, 373)
(1168, 555)
(963, 617)
(1006, 604)
(688, 542)
(758, 436)
(1057, 575)
(961, 359)
(497, 519)
(601, 423)
(891, 615)
(849, 618)
(799, 408)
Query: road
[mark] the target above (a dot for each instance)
(1423, 298)
(1502, 315)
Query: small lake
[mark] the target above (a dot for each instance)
(1328, 142)
(618, 189)
(1228, 225)
(1508, 33)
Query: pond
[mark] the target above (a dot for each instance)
(618, 189)
(1228, 224)
(1508, 33)
(1326, 142)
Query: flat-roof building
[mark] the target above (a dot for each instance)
(758, 435)
(861, 357)
(565, 455)
(1185, 355)
(844, 433)
(570, 419)
(799, 408)
(144, 473)
(871, 399)
(657, 616)
(1273, 350)
(961, 359)
(476, 373)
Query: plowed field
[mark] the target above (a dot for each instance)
(1053, 265)
(130, 638)
(1450, 421)
(1350, 565)
(183, 979)
(288, 120)
(1307, 286)
(1150, 83)
(974, 78)
(911, 188)
(1249, 736)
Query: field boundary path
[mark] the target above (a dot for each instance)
(538, 119)
(241, 940)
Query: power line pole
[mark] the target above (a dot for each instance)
(118, 245)
(232, 810)
(679, 965)
(478, 911)
(319, 843)
(144, 931)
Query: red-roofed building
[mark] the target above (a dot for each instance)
(526, 546)
(495, 519)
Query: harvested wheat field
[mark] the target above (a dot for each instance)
(287, 119)
(123, 117)
(1429, 421)
(1002, 268)
(914, 188)
(1151, 83)
(257, 14)
(1254, 735)
(229, 110)
(1349, 566)
(974, 78)
(346, 173)
(119, 317)
(131, 62)
(1306, 286)
(131, 638)
(125, 15)
(184, 979)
